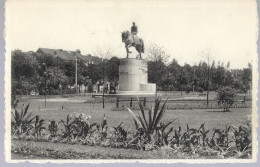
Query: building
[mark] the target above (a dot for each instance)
(70, 55)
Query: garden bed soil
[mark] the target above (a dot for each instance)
(47, 150)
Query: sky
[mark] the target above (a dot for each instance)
(183, 28)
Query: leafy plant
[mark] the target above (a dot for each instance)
(222, 139)
(77, 125)
(21, 122)
(102, 128)
(162, 135)
(53, 128)
(38, 126)
(243, 137)
(176, 140)
(120, 132)
(149, 123)
(203, 133)
(68, 125)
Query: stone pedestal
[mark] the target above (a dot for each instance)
(133, 77)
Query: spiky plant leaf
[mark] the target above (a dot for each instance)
(26, 109)
(136, 125)
(150, 117)
(134, 116)
(160, 114)
(142, 111)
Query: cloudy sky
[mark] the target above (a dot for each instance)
(183, 28)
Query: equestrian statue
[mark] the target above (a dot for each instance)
(131, 40)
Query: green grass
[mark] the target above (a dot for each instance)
(213, 118)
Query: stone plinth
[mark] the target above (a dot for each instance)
(133, 76)
(147, 87)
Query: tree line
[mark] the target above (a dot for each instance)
(32, 71)
(174, 77)
(53, 75)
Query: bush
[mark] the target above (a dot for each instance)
(226, 96)
(188, 89)
(200, 89)
(90, 88)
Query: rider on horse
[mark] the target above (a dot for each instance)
(131, 40)
(134, 31)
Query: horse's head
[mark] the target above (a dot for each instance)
(124, 35)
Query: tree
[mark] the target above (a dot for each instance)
(46, 58)
(183, 78)
(156, 72)
(112, 69)
(173, 70)
(206, 55)
(156, 53)
(218, 76)
(247, 78)
(249, 65)
(228, 64)
(213, 64)
(23, 65)
(24, 71)
(95, 72)
(57, 80)
(104, 54)
(226, 96)
(168, 80)
(201, 75)
(157, 60)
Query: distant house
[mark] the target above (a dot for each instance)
(83, 88)
(34, 93)
(98, 87)
(70, 55)
(95, 87)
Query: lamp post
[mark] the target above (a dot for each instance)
(103, 83)
(208, 85)
(206, 55)
(45, 78)
(76, 77)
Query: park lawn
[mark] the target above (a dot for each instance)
(22, 149)
(213, 118)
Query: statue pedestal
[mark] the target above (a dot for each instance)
(133, 77)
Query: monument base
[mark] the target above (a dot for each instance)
(133, 77)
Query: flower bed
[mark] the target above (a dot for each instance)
(77, 128)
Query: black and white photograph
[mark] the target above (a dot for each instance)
(131, 81)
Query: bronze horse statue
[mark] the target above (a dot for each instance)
(132, 40)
